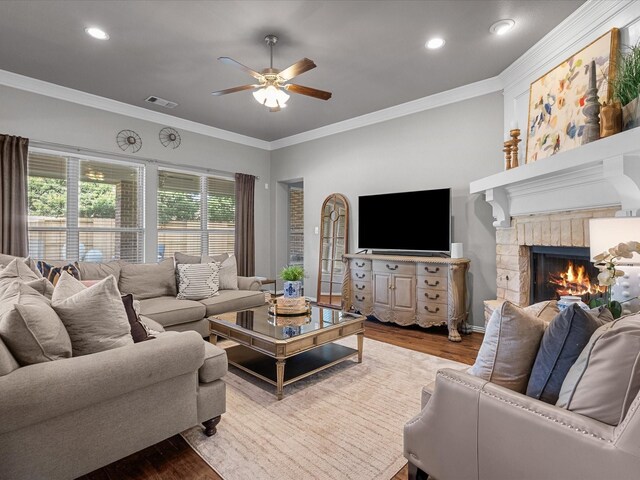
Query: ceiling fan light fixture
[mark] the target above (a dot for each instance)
(271, 97)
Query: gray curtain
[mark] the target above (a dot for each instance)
(14, 239)
(245, 238)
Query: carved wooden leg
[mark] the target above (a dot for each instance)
(279, 378)
(360, 343)
(454, 336)
(416, 474)
(210, 425)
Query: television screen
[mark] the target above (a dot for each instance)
(412, 221)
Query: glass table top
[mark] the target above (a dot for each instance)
(259, 320)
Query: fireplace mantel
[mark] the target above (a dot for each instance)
(600, 174)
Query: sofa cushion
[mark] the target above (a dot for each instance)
(7, 362)
(148, 280)
(562, 342)
(509, 347)
(28, 261)
(94, 316)
(152, 326)
(605, 379)
(215, 363)
(198, 281)
(52, 273)
(232, 300)
(168, 311)
(98, 271)
(30, 327)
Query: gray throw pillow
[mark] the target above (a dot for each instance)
(198, 281)
(16, 269)
(28, 261)
(94, 316)
(98, 271)
(562, 342)
(605, 379)
(183, 258)
(148, 280)
(30, 327)
(228, 270)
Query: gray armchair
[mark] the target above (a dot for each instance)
(470, 428)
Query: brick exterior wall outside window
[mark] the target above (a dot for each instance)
(296, 225)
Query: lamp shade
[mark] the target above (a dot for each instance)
(605, 233)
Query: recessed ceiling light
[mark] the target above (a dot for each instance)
(96, 32)
(434, 43)
(502, 26)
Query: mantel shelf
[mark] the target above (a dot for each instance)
(600, 174)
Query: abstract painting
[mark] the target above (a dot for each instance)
(556, 121)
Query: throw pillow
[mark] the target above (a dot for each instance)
(183, 258)
(42, 286)
(605, 379)
(228, 270)
(509, 347)
(30, 327)
(198, 281)
(28, 261)
(52, 273)
(562, 342)
(148, 280)
(98, 271)
(546, 310)
(16, 270)
(94, 316)
(138, 329)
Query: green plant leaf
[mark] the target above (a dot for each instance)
(615, 308)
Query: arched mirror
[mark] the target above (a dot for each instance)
(334, 230)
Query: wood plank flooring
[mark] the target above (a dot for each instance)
(173, 459)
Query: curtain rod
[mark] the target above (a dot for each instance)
(124, 157)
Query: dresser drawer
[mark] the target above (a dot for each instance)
(431, 269)
(427, 320)
(361, 276)
(394, 267)
(432, 295)
(431, 282)
(357, 264)
(432, 309)
(361, 287)
(362, 302)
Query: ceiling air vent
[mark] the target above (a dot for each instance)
(161, 102)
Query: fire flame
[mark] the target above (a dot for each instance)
(574, 281)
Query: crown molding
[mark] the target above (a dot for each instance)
(591, 20)
(459, 94)
(33, 85)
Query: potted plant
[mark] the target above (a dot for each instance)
(292, 276)
(626, 86)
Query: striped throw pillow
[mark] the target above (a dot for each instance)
(198, 280)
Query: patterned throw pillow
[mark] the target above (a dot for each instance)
(198, 281)
(52, 273)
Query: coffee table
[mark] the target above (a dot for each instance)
(304, 344)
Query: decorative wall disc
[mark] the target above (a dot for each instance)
(129, 141)
(169, 137)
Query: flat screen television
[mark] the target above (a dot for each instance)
(417, 221)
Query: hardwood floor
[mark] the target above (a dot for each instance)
(174, 459)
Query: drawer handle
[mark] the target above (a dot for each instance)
(435, 297)
(360, 287)
(360, 277)
(360, 298)
(432, 284)
(432, 271)
(360, 264)
(426, 307)
(395, 267)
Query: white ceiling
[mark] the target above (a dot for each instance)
(370, 54)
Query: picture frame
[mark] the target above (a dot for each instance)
(555, 121)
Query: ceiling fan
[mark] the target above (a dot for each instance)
(270, 92)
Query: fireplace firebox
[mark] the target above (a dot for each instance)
(558, 271)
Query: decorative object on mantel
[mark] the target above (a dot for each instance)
(507, 154)
(626, 86)
(557, 99)
(611, 119)
(129, 141)
(591, 108)
(169, 137)
(514, 133)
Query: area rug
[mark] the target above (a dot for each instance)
(343, 423)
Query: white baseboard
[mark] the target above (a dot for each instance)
(477, 329)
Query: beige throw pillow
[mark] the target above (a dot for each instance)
(28, 261)
(30, 327)
(509, 347)
(94, 316)
(605, 378)
(98, 271)
(197, 281)
(148, 280)
(228, 270)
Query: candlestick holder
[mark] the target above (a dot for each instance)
(515, 140)
(508, 145)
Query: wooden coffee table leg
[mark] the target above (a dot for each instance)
(213, 338)
(279, 378)
(360, 343)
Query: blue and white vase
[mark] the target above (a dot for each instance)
(292, 289)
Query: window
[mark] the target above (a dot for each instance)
(81, 209)
(296, 225)
(196, 214)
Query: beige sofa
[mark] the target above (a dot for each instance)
(470, 428)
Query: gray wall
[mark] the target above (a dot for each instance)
(445, 147)
(47, 119)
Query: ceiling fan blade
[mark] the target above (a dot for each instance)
(297, 68)
(311, 92)
(244, 68)
(235, 89)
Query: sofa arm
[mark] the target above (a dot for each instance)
(249, 283)
(35, 393)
